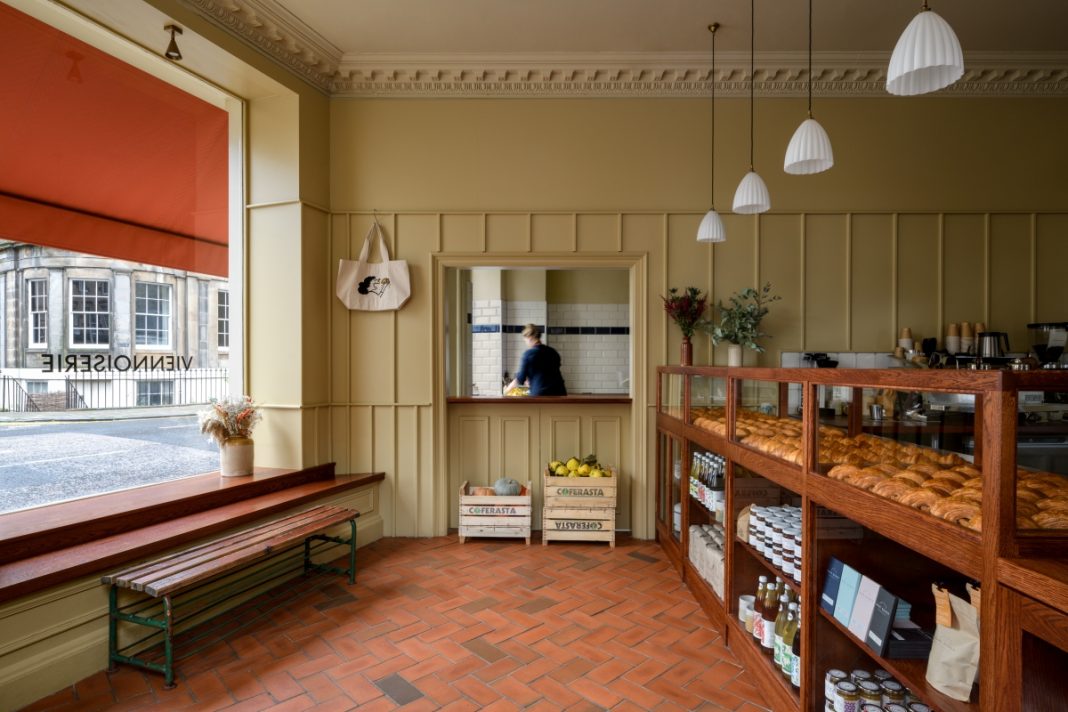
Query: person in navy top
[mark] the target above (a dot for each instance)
(540, 367)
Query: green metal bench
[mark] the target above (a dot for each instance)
(201, 578)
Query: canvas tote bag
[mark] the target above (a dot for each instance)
(373, 286)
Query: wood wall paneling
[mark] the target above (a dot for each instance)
(1011, 283)
(407, 477)
(516, 457)
(416, 235)
(362, 443)
(470, 458)
(386, 444)
(918, 275)
(316, 302)
(965, 270)
(341, 438)
(507, 233)
(826, 283)
(689, 264)
(552, 232)
(340, 352)
(598, 233)
(431, 487)
(872, 257)
(462, 232)
(780, 260)
(565, 436)
(1051, 262)
(734, 268)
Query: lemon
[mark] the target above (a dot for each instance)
(597, 472)
(573, 473)
(584, 470)
(554, 464)
(562, 470)
(572, 464)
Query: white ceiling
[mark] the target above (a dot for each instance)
(360, 27)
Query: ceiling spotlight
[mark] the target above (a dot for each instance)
(173, 53)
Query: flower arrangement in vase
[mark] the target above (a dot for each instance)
(739, 321)
(686, 310)
(229, 422)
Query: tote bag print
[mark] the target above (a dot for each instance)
(373, 286)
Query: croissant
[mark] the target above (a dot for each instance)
(868, 481)
(967, 494)
(921, 499)
(842, 472)
(967, 470)
(943, 488)
(893, 488)
(913, 476)
(974, 483)
(951, 476)
(954, 510)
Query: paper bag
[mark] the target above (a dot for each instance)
(373, 286)
(954, 659)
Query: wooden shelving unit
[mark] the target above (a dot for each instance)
(1023, 573)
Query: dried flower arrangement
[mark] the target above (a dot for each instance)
(229, 418)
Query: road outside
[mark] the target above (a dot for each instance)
(53, 461)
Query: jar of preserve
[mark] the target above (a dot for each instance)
(918, 707)
(830, 682)
(846, 697)
(869, 707)
(895, 707)
(859, 676)
(755, 515)
(881, 675)
(870, 692)
(893, 692)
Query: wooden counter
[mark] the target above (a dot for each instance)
(578, 398)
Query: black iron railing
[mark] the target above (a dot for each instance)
(13, 395)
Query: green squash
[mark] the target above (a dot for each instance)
(507, 487)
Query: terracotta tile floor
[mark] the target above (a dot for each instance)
(433, 624)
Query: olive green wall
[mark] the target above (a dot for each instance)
(587, 286)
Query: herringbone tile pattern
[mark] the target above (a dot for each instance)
(433, 624)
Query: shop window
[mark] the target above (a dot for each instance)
(152, 315)
(224, 320)
(37, 296)
(90, 312)
(36, 387)
(155, 392)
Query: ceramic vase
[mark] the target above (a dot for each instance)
(235, 457)
(734, 355)
(687, 351)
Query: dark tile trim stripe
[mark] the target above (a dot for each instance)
(552, 330)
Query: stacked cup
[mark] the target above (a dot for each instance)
(905, 339)
(967, 338)
(953, 338)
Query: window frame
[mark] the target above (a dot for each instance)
(220, 320)
(162, 383)
(169, 345)
(70, 313)
(31, 343)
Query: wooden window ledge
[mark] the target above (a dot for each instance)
(46, 546)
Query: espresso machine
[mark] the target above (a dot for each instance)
(1048, 343)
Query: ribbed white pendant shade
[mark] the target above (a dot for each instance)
(809, 150)
(927, 57)
(711, 228)
(752, 195)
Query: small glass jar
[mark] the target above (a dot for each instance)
(893, 692)
(895, 707)
(881, 675)
(918, 707)
(756, 514)
(871, 707)
(870, 692)
(858, 676)
(831, 680)
(846, 697)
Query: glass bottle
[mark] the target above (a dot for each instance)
(758, 606)
(795, 662)
(789, 632)
(780, 626)
(771, 615)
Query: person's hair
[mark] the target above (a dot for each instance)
(531, 331)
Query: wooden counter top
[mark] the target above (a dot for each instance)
(577, 399)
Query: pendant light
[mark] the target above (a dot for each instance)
(810, 148)
(927, 56)
(711, 228)
(752, 195)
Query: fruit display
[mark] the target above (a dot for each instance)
(574, 467)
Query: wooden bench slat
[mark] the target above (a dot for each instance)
(255, 542)
(138, 569)
(156, 569)
(209, 569)
(135, 578)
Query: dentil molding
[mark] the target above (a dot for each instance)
(272, 30)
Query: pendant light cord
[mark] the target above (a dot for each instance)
(810, 59)
(713, 117)
(752, 73)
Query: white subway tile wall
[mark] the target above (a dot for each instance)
(845, 359)
(486, 364)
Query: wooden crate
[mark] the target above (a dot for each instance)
(500, 516)
(580, 509)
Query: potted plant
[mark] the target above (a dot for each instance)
(739, 321)
(229, 422)
(685, 310)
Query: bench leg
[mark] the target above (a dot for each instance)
(168, 645)
(351, 541)
(113, 627)
(352, 552)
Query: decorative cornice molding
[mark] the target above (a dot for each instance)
(272, 30)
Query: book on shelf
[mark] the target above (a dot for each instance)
(863, 606)
(882, 617)
(908, 643)
(830, 585)
(847, 593)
